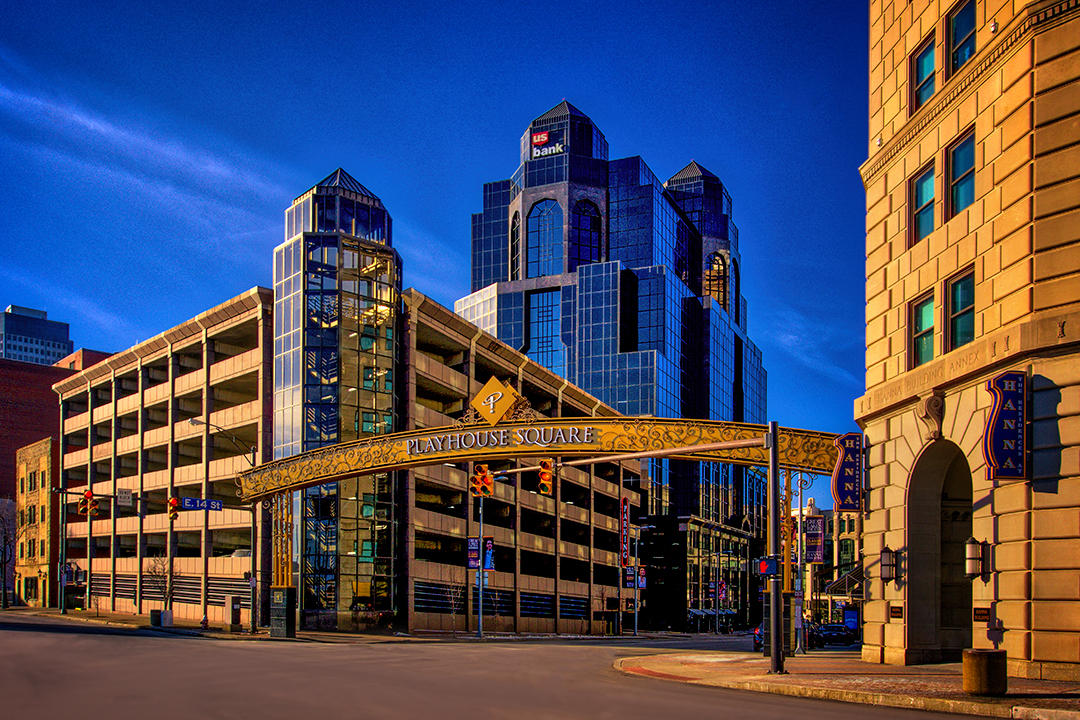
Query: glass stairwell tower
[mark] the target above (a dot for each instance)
(337, 309)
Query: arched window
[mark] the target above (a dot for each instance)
(543, 251)
(586, 235)
(716, 279)
(515, 247)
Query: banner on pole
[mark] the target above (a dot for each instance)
(815, 538)
(473, 553)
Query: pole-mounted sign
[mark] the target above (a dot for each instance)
(473, 553)
(624, 532)
(814, 538)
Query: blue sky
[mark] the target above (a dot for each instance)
(147, 150)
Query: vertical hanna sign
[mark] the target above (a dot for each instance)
(624, 532)
(1005, 439)
(847, 476)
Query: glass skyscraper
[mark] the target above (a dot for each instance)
(337, 296)
(629, 288)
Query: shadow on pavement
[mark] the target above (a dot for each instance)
(76, 627)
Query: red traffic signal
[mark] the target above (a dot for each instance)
(487, 484)
(546, 477)
(476, 482)
(174, 508)
(84, 502)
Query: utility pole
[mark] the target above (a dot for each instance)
(480, 576)
(776, 640)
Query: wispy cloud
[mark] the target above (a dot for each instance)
(84, 311)
(98, 136)
(820, 346)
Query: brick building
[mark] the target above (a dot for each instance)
(973, 270)
(38, 523)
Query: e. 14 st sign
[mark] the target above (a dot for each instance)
(191, 503)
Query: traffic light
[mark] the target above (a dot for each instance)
(546, 476)
(767, 566)
(84, 502)
(487, 484)
(174, 508)
(476, 482)
(92, 506)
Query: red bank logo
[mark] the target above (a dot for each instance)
(540, 138)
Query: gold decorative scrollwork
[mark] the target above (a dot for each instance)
(804, 450)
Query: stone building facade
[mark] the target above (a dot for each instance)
(36, 534)
(972, 269)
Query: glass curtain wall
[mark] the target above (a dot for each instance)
(337, 290)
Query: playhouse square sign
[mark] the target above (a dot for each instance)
(501, 438)
(493, 433)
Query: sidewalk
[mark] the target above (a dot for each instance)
(192, 628)
(841, 675)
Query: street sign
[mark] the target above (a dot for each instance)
(123, 497)
(191, 503)
(473, 553)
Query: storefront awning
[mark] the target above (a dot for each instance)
(850, 584)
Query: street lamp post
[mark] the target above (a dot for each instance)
(637, 571)
(252, 461)
(803, 480)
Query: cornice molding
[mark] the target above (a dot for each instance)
(1034, 19)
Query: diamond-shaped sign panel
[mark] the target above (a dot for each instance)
(494, 400)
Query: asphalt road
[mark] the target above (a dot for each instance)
(51, 668)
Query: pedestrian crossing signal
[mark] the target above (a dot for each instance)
(546, 477)
(767, 567)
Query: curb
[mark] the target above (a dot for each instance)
(863, 697)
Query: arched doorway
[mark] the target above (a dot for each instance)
(939, 511)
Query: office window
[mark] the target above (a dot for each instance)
(515, 247)
(962, 174)
(922, 204)
(922, 74)
(585, 235)
(961, 35)
(962, 310)
(922, 331)
(543, 244)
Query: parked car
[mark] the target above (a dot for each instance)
(838, 634)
